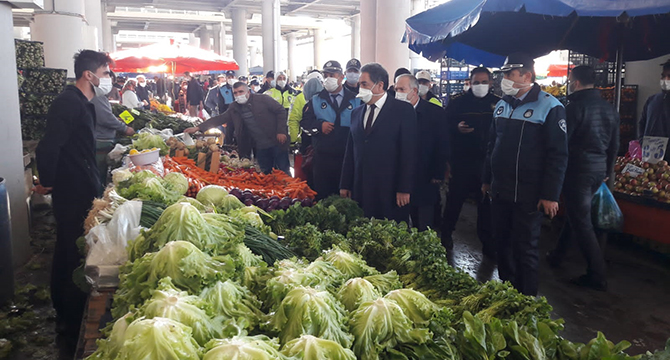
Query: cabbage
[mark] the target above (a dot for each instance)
(171, 303)
(158, 339)
(149, 141)
(308, 347)
(351, 265)
(381, 324)
(244, 348)
(415, 305)
(183, 221)
(146, 185)
(385, 283)
(176, 182)
(330, 276)
(284, 280)
(189, 268)
(229, 203)
(109, 348)
(212, 195)
(233, 301)
(198, 205)
(308, 311)
(355, 292)
(121, 175)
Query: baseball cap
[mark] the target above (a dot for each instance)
(242, 78)
(332, 67)
(230, 73)
(423, 75)
(270, 74)
(354, 64)
(518, 61)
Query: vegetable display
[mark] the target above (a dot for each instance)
(159, 121)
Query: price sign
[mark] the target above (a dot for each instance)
(126, 117)
(632, 170)
(654, 148)
(135, 112)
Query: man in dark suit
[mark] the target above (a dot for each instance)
(432, 153)
(379, 162)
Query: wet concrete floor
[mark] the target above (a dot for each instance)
(636, 306)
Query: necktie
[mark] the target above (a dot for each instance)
(368, 124)
(335, 100)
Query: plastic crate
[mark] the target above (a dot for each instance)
(29, 54)
(44, 80)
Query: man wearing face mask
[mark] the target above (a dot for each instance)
(525, 165)
(593, 142)
(142, 91)
(259, 123)
(226, 96)
(213, 95)
(194, 95)
(296, 115)
(328, 117)
(432, 154)
(352, 75)
(468, 122)
(424, 88)
(269, 82)
(380, 158)
(282, 92)
(67, 168)
(655, 119)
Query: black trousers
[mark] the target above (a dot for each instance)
(466, 182)
(422, 216)
(578, 192)
(326, 172)
(516, 230)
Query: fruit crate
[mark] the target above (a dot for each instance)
(29, 54)
(605, 70)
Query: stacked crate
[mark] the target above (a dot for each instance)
(38, 87)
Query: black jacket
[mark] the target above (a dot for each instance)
(655, 120)
(143, 94)
(353, 89)
(432, 153)
(593, 132)
(528, 149)
(66, 153)
(336, 141)
(194, 92)
(470, 149)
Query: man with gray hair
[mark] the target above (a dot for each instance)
(432, 152)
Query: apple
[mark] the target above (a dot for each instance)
(652, 184)
(634, 182)
(645, 182)
(650, 171)
(662, 194)
(654, 190)
(665, 176)
(645, 165)
(663, 163)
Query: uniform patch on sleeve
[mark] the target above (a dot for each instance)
(499, 111)
(528, 113)
(324, 105)
(563, 125)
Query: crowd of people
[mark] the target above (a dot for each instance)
(390, 147)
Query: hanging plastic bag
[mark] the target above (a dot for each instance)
(634, 150)
(107, 242)
(117, 153)
(204, 115)
(605, 212)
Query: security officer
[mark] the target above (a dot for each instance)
(328, 114)
(282, 92)
(468, 122)
(269, 82)
(424, 88)
(296, 114)
(226, 92)
(525, 165)
(352, 75)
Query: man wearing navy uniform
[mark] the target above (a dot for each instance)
(525, 165)
(329, 116)
(226, 92)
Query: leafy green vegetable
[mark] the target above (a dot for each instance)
(308, 347)
(356, 291)
(158, 339)
(233, 301)
(351, 265)
(415, 305)
(308, 311)
(109, 348)
(385, 283)
(212, 195)
(176, 182)
(146, 185)
(304, 240)
(349, 208)
(381, 324)
(270, 249)
(287, 275)
(147, 141)
(244, 348)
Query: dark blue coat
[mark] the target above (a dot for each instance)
(383, 163)
(432, 153)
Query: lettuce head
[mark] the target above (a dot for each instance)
(355, 292)
(234, 302)
(308, 347)
(176, 182)
(351, 265)
(212, 195)
(158, 339)
(415, 305)
(244, 348)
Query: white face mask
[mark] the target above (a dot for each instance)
(281, 83)
(273, 83)
(508, 88)
(330, 84)
(104, 86)
(242, 99)
(480, 90)
(231, 82)
(352, 78)
(665, 85)
(423, 90)
(144, 84)
(402, 96)
(255, 88)
(466, 87)
(365, 95)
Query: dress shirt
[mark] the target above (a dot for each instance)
(378, 107)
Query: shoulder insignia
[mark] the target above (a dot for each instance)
(324, 105)
(528, 113)
(563, 125)
(350, 107)
(499, 111)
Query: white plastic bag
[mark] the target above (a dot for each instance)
(188, 140)
(107, 242)
(117, 153)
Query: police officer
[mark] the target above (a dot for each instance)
(468, 122)
(525, 165)
(268, 83)
(352, 75)
(424, 88)
(328, 114)
(226, 92)
(283, 92)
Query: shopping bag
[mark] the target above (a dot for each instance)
(634, 150)
(605, 212)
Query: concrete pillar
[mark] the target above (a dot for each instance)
(107, 34)
(205, 39)
(369, 31)
(193, 40)
(271, 35)
(240, 39)
(291, 45)
(390, 52)
(416, 59)
(93, 14)
(253, 55)
(219, 36)
(61, 28)
(356, 36)
(11, 147)
(318, 48)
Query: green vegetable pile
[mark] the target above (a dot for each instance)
(148, 119)
(145, 185)
(147, 141)
(44, 80)
(29, 54)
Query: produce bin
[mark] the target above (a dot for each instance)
(645, 218)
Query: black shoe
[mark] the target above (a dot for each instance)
(553, 260)
(447, 242)
(589, 282)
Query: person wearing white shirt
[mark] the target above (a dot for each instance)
(129, 97)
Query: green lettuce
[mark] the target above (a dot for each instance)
(308, 311)
(233, 301)
(351, 265)
(415, 305)
(288, 274)
(176, 182)
(355, 292)
(158, 339)
(308, 347)
(385, 283)
(212, 195)
(149, 141)
(381, 324)
(244, 348)
(228, 204)
(109, 348)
